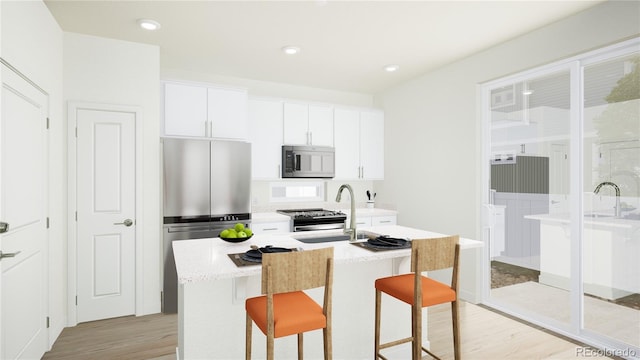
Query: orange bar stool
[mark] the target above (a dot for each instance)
(420, 291)
(286, 309)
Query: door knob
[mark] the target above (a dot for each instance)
(8, 255)
(126, 222)
(4, 227)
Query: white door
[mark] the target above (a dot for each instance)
(23, 205)
(106, 208)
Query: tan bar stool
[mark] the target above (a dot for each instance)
(421, 291)
(286, 309)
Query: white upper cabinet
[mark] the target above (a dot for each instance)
(204, 111)
(347, 138)
(185, 110)
(359, 143)
(265, 129)
(372, 144)
(321, 125)
(227, 113)
(296, 123)
(306, 124)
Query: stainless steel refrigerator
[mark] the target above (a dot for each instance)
(207, 188)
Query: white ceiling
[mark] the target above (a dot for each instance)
(345, 44)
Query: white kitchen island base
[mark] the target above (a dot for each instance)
(212, 291)
(216, 320)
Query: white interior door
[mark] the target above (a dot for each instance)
(106, 208)
(23, 204)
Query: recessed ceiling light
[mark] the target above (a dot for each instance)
(391, 68)
(291, 50)
(148, 24)
(527, 92)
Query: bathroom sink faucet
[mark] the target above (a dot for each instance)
(597, 190)
(352, 226)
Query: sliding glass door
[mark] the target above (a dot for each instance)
(611, 226)
(561, 151)
(530, 192)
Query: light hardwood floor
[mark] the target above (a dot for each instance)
(485, 335)
(145, 337)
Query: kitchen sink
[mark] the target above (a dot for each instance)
(314, 239)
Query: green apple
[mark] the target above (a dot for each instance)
(239, 227)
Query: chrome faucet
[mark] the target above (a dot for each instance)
(617, 189)
(352, 226)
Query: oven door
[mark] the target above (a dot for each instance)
(319, 223)
(313, 227)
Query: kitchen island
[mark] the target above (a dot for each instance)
(610, 247)
(212, 291)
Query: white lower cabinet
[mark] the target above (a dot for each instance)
(271, 227)
(363, 221)
(368, 220)
(383, 220)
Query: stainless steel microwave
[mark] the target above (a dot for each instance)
(308, 161)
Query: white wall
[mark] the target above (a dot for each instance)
(434, 121)
(273, 89)
(124, 73)
(32, 42)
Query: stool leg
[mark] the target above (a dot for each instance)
(456, 330)
(248, 338)
(300, 346)
(270, 352)
(377, 333)
(328, 351)
(416, 333)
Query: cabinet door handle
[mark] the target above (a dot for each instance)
(310, 138)
(269, 229)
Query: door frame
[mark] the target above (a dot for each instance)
(574, 328)
(72, 110)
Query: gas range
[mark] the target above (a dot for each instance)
(315, 219)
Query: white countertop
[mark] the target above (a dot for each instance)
(206, 259)
(605, 221)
